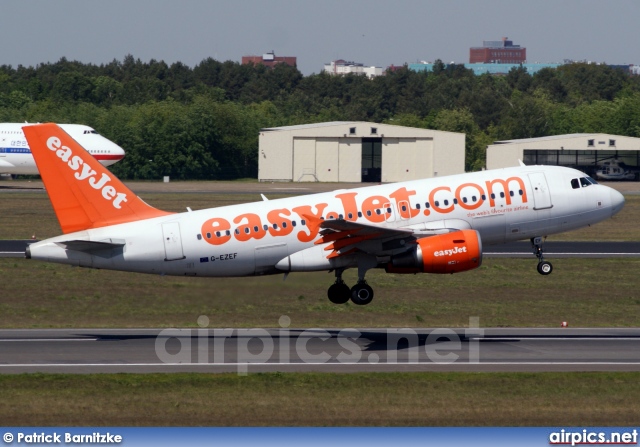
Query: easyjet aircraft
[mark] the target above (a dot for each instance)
(437, 225)
(16, 157)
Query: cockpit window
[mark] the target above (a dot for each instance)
(592, 181)
(90, 131)
(584, 182)
(575, 184)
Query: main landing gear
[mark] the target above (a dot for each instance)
(340, 293)
(544, 267)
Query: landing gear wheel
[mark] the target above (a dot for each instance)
(361, 294)
(339, 293)
(544, 267)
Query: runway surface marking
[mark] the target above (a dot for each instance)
(378, 364)
(46, 339)
(570, 338)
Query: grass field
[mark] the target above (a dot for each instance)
(503, 292)
(276, 399)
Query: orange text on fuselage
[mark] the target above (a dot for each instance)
(374, 208)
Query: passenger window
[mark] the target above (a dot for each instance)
(265, 227)
(474, 198)
(575, 184)
(446, 202)
(417, 206)
(521, 192)
(437, 203)
(427, 205)
(455, 201)
(511, 193)
(502, 195)
(293, 223)
(303, 222)
(584, 182)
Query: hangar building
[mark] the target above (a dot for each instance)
(357, 152)
(588, 152)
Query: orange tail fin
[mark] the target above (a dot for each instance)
(84, 194)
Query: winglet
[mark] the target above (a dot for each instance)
(84, 194)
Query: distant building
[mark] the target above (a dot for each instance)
(357, 151)
(498, 51)
(269, 59)
(342, 67)
(493, 69)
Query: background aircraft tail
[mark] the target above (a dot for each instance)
(84, 194)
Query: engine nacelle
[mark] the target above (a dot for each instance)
(453, 252)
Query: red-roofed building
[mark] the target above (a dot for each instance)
(498, 52)
(269, 59)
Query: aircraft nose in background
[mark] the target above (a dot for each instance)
(617, 201)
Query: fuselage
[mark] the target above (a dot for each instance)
(251, 239)
(16, 157)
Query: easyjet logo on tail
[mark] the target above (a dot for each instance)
(85, 172)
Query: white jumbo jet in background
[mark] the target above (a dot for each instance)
(16, 157)
(436, 225)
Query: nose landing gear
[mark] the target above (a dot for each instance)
(544, 267)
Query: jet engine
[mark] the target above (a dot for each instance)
(453, 252)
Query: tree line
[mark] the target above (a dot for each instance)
(203, 122)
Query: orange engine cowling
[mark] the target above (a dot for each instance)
(444, 253)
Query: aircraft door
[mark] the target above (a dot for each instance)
(172, 241)
(541, 195)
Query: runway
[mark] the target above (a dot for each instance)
(320, 350)
(16, 249)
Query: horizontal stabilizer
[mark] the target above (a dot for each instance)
(91, 246)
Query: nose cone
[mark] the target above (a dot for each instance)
(109, 153)
(617, 201)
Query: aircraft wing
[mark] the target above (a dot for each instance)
(345, 237)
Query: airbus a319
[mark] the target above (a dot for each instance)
(437, 225)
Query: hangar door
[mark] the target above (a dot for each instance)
(372, 160)
(326, 160)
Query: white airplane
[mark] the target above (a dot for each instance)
(437, 225)
(16, 157)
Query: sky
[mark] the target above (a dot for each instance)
(372, 32)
